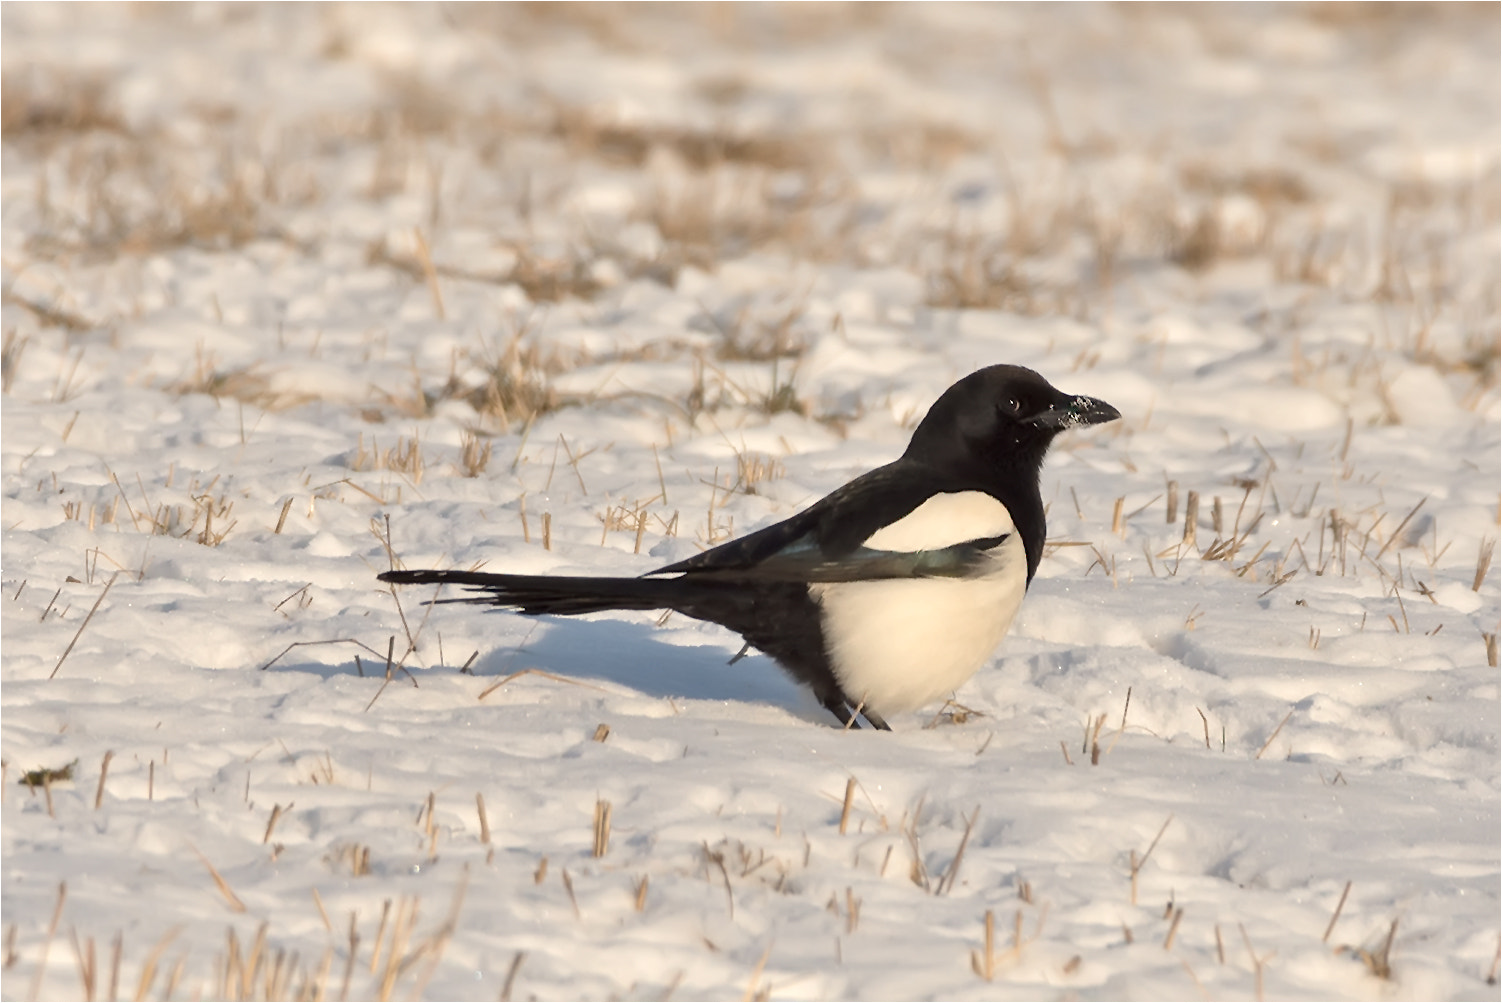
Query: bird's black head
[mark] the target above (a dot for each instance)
(991, 431)
(1000, 420)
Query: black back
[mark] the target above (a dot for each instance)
(983, 434)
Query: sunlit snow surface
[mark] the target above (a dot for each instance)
(291, 265)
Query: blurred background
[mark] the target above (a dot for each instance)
(1025, 158)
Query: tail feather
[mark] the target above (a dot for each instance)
(778, 618)
(535, 595)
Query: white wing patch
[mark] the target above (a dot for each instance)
(943, 521)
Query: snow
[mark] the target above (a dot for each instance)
(279, 263)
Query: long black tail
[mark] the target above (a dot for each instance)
(778, 618)
(558, 595)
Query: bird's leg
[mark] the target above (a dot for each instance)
(835, 704)
(872, 718)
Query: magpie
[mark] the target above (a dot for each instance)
(889, 592)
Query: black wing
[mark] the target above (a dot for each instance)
(823, 542)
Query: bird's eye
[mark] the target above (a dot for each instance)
(1013, 406)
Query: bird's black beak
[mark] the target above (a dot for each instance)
(1076, 411)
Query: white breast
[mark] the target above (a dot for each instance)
(900, 644)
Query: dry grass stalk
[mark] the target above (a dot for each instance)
(57, 915)
(316, 987)
(587, 132)
(276, 813)
(516, 385)
(718, 859)
(50, 604)
(79, 633)
(429, 273)
(403, 458)
(224, 889)
(148, 970)
(10, 358)
(359, 859)
(1275, 733)
(425, 814)
(1483, 564)
(752, 469)
(1257, 963)
(336, 640)
(323, 913)
(1278, 582)
(537, 672)
(1200, 243)
(845, 809)
(484, 822)
(568, 886)
(952, 872)
(174, 976)
(509, 985)
(240, 975)
(1491, 649)
(1191, 519)
(1095, 740)
(380, 938)
(754, 990)
(601, 828)
(88, 963)
(1335, 916)
(1401, 526)
(1121, 729)
(104, 772)
(573, 460)
(474, 455)
(1172, 502)
(984, 962)
(1138, 863)
(397, 959)
(975, 274)
(1173, 928)
(641, 893)
(1380, 963)
(433, 947)
(281, 520)
(350, 954)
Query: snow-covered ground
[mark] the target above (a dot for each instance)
(291, 291)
